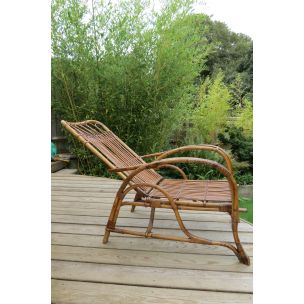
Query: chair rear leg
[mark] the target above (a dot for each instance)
(138, 196)
(133, 208)
(151, 221)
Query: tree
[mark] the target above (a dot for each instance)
(227, 51)
(238, 93)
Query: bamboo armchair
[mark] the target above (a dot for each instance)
(154, 191)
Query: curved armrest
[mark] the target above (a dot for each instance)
(216, 149)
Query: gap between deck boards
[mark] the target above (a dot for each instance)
(81, 263)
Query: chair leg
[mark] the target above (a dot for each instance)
(138, 196)
(132, 208)
(151, 221)
(106, 236)
(112, 219)
(242, 256)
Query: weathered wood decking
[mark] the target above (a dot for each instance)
(137, 270)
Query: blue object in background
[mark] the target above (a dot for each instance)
(53, 150)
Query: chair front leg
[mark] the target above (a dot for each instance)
(112, 218)
(235, 219)
(242, 256)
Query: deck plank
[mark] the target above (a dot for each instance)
(129, 243)
(152, 276)
(74, 292)
(245, 237)
(140, 213)
(151, 259)
(130, 269)
(158, 223)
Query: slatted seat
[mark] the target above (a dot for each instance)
(154, 191)
(216, 191)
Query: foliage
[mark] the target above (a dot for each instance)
(127, 66)
(157, 79)
(245, 119)
(244, 178)
(246, 203)
(194, 170)
(211, 112)
(228, 52)
(223, 113)
(241, 148)
(238, 93)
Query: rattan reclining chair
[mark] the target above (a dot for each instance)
(154, 191)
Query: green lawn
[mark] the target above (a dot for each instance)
(246, 203)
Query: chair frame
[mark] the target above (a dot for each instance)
(163, 159)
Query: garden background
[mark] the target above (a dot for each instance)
(157, 78)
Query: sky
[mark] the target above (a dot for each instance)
(237, 14)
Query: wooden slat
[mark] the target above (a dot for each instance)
(218, 216)
(125, 212)
(98, 293)
(65, 177)
(135, 222)
(245, 237)
(141, 212)
(85, 189)
(90, 181)
(84, 196)
(152, 276)
(152, 259)
(123, 242)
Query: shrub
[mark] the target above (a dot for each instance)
(211, 112)
(241, 148)
(245, 119)
(127, 66)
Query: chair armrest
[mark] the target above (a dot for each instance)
(201, 147)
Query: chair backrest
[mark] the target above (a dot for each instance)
(110, 149)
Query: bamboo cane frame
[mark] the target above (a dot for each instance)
(123, 190)
(142, 198)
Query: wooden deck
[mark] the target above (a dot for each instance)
(135, 270)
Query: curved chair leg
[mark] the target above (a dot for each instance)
(242, 256)
(112, 219)
(238, 250)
